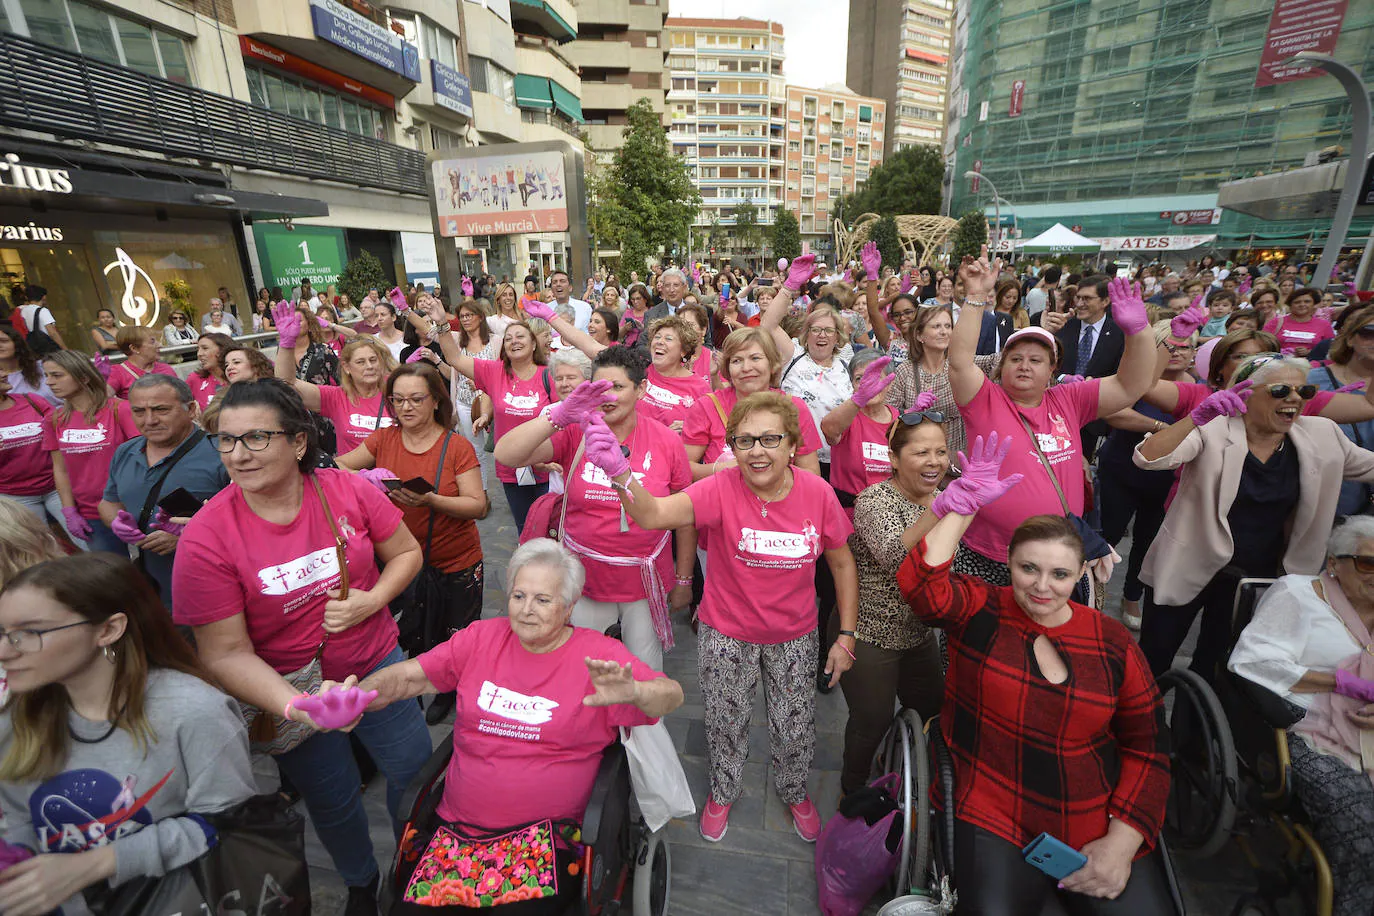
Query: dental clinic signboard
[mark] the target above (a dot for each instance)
(353, 32)
(452, 89)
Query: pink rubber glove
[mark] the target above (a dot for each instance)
(873, 382)
(1186, 323)
(1351, 388)
(601, 447)
(1325, 312)
(1064, 380)
(77, 526)
(584, 401)
(375, 476)
(848, 275)
(335, 708)
(1288, 351)
(467, 288)
(102, 366)
(419, 354)
(398, 300)
(1128, 305)
(979, 484)
(1229, 402)
(696, 277)
(536, 309)
(800, 272)
(1353, 686)
(872, 260)
(125, 528)
(1244, 286)
(288, 322)
(161, 521)
(924, 401)
(1200, 302)
(908, 281)
(11, 855)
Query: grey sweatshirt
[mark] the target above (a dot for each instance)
(145, 804)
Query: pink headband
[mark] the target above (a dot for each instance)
(1043, 335)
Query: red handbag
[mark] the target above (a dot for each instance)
(545, 518)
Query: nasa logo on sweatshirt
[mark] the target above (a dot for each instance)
(82, 809)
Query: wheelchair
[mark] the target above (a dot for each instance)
(624, 867)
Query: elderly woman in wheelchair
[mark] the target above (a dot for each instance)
(1309, 642)
(538, 702)
(1050, 715)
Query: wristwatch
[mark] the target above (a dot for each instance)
(850, 633)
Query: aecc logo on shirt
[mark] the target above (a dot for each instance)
(317, 566)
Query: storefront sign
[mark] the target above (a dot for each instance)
(30, 233)
(15, 174)
(1298, 25)
(420, 256)
(452, 89)
(136, 279)
(1018, 98)
(287, 256)
(501, 195)
(341, 26)
(1192, 217)
(284, 60)
(1154, 242)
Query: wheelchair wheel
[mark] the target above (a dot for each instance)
(1202, 760)
(653, 877)
(906, 756)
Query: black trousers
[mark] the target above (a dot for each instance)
(1164, 627)
(1121, 497)
(994, 880)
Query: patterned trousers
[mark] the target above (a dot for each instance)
(730, 670)
(1340, 803)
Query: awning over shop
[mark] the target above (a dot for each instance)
(566, 102)
(547, 17)
(533, 92)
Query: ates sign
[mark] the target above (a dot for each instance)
(1298, 25)
(289, 255)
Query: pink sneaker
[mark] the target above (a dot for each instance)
(714, 820)
(806, 819)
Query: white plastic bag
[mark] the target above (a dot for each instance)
(660, 785)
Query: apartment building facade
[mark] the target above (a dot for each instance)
(727, 108)
(834, 140)
(622, 51)
(900, 51)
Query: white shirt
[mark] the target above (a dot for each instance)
(1036, 300)
(582, 311)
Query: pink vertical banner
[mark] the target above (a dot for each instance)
(1018, 98)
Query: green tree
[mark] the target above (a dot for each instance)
(747, 230)
(969, 237)
(907, 183)
(647, 201)
(360, 275)
(786, 235)
(884, 234)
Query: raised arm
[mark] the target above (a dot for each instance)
(649, 512)
(980, 277)
(566, 329)
(1136, 372)
(1229, 402)
(1347, 407)
(873, 268)
(872, 386)
(437, 332)
(529, 442)
(289, 330)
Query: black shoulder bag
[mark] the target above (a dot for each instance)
(150, 503)
(422, 623)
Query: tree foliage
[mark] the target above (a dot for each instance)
(884, 234)
(645, 201)
(969, 236)
(786, 235)
(361, 274)
(747, 231)
(907, 183)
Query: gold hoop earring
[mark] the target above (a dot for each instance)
(110, 655)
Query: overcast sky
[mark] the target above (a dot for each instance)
(814, 29)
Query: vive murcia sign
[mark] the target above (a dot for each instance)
(15, 174)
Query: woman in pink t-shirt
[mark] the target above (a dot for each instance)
(858, 429)
(769, 526)
(82, 436)
(630, 571)
(1301, 330)
(538, 701)
(260, 575)
(1020, 397)
(25, 468)
(140, 347)
(206, 381)
(356, 406)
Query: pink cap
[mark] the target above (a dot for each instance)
(1040, 333)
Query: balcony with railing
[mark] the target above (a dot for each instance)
(48, 90)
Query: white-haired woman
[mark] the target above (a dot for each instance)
(1257, 496)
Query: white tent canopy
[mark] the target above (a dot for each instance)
(1059, 239)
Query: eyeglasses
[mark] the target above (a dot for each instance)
(745, 443)
(823, 332)
(1082, 298)
(1362, 564)
(255, 440)
(1279, 392)
(905, 313)
(914, 417)
(30, 641)
(399, 402)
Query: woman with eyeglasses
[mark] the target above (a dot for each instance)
(434, 477)
(1258, 498)
(767, 528)
(115, 743)
(891, 329)
(287, 564)
(1352, 363)
(179, 330)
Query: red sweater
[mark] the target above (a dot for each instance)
(1031, 756)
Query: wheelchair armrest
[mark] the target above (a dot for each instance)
(1274, 709)
(613, 771)
(434, 768)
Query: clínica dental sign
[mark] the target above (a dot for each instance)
(14, 174)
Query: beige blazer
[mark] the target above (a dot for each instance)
(1195, 542)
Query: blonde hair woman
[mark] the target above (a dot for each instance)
(24, 541)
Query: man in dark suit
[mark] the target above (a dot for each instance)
(1090, 340)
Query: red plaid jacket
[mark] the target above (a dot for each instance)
(1031, 756)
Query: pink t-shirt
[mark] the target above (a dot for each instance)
(1056, 422)
(514, 401)
(704, 425)
(760, 582)
(203, 387)
(659, 462)
(1191, 394)
(124, 375)
(87, 447)
(672, 398)
(524, 746)
(1300, 334)
(860, 459)
(231, 561)
(354, 420)
(25, 465)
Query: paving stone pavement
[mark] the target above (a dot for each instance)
(761, 867)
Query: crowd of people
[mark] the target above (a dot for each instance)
(904, 482)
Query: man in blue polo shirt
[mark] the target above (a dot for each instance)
(171, 453)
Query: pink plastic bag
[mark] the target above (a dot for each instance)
(853, 858)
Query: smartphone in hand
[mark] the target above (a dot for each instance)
(416, 485)
(1054, 857)
(180, 503)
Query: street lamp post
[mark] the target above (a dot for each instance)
(1355, 169)
(996, 198)
(1015, 228)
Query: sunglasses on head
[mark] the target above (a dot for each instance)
(1362, 564)
(1366, 332)
(1279, 392)
(916, 417)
